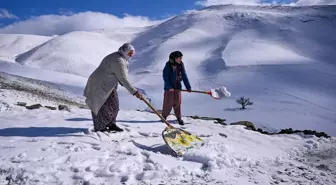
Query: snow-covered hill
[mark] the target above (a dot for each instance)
(44, 146)
(282, 58)
(13, 44)
(77, 52)
(70, 53)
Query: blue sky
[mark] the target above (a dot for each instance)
(47, 17)
(149, 8)
(154, 9)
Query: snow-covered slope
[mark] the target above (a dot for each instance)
(282, 58)
(14, 44)
(75, 53)
(68, 82)
(224, 35)
(58, 147)
(122, 35)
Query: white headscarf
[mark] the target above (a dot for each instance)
(125, 49)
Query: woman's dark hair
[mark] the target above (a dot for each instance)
(175, 54)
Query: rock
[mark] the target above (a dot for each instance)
(286, 131)
(83, 107)
(220, 121)
(21, 104)
(35, 106)
(323, 167)
(249, 125)
(63, 107)
(306, 132)
(264, 132)
(216, 120)
(50, 107)
(317, 134)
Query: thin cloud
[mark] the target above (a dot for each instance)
(64, 11)
(263, 2)
(5, 14)
(84, 21)
(234, 2)
(315, 2)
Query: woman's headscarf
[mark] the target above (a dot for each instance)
(125, 49)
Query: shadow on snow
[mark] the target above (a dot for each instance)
(41, 131)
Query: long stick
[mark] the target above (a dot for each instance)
(157, 113)
(203, 92)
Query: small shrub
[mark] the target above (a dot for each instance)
(244, 102)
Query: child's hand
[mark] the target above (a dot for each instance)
(171, 90)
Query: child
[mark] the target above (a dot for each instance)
(173, 73)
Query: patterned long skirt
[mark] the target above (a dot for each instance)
(107, 114)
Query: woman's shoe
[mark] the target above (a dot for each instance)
(115, 128)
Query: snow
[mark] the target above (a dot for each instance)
(67, 82)
(282, 58)
(14, 44)
(65, 53)
(220, 92)
(45, 146)
(272, 55)
(279, 57)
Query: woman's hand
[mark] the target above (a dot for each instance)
(139, 95)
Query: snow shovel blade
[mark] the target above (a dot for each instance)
(181, 141)
(178, 140)
(219, 93)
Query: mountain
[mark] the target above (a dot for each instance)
(280, 57)
(13, 44)
(70, 53)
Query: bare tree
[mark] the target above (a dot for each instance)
(244, 102)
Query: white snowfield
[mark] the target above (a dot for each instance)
(282, 58)
(45, 146)
(12, 45)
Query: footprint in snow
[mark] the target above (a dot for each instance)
(148, 134)
(223, 135)
(65, 143)
(96, 147)
(205, 135)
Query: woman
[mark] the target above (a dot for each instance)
(173, 73)
(101, 88)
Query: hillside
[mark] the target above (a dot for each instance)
(280, 57)
(44, 146)
(13, 44)
(70, 53)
